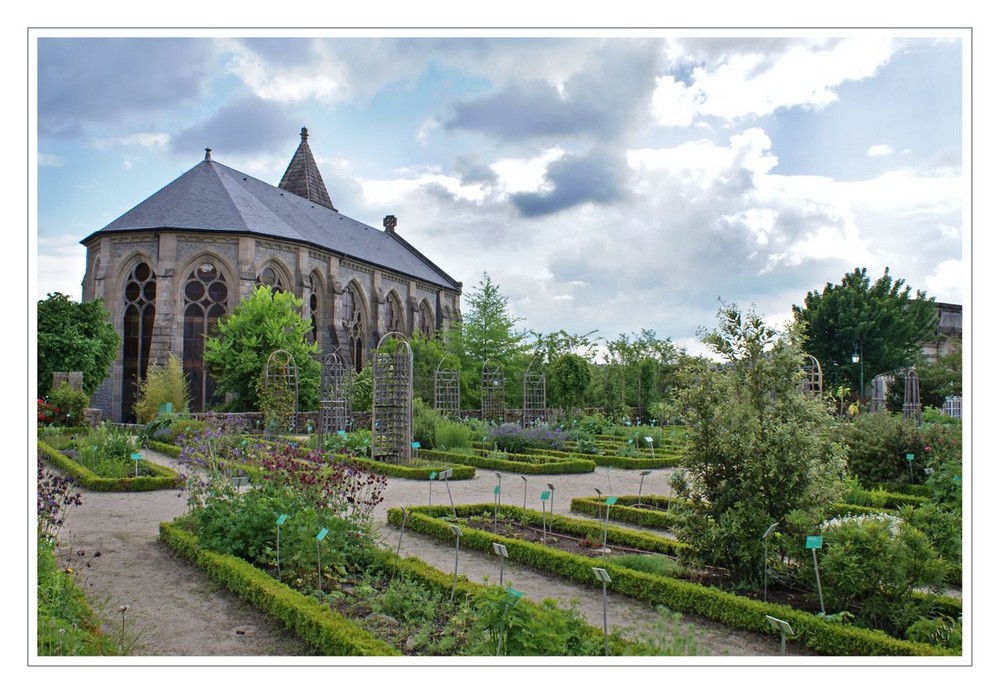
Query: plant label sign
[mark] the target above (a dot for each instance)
(496, 490)
(136, 456)
(415, 444)
(649, 439)
(909, 456)
(322, 533)
(281, 519)
(610, 501)
(814, 542)
(545, 495)
(433, 476)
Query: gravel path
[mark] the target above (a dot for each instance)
(111, 542)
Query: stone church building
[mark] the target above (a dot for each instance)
(172, 266)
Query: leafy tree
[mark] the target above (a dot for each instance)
(569, 378)
(74, 336)
(880, 322)
(641, 370)
(757, 451)
(263, 322)
(938, 379)
(487, 332)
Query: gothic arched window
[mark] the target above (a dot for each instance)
(393, 314)
(354, 324)
(425, 320)
(269, 277)
(205, 297)
(139, 301)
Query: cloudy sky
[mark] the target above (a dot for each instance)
(604, 183)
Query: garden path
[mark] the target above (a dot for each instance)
(111, 542)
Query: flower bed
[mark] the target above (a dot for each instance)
(159, 477)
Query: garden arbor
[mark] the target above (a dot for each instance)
(491, 393)
(335, 395)
(812, 381)
(447, 390)
(280, 395)
(392, 400)
(533, 396)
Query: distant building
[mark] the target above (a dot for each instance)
(948, 333)
(172, 266)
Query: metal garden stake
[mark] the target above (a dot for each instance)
(764, 540)
(815, 542)
(602, 576)
(642, 476)
(281, 520)
(319, 566)
(457, 532)
(500, 551)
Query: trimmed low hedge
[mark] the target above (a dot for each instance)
(625, 512)
(822, 636)
(551, 467)
(165, 478)
(318, 625)
(627, 463)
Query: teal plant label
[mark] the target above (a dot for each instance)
(909, 456)
(545, 495)
(322, 533)
(814, 542)
(281, 519)
(136, 456)
(433, 476)
(610, 501)
(415, 444)
(496, 490)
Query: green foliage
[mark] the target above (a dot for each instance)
(756, 452)
(70, 404)
(657, 564)
(664, 636)
(361, 390)
(938, 378)
(569, 378)
(871, 565)
(880, 321)
(74, 337)
(937, 631)
(452, 436)
(164, 383)
(155, 477)
(425, 423)
(877, 445)
(262, 323)
(107, 451)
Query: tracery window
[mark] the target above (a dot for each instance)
(269, 277)
(393, 315)
(205, 296)
(139, 301)
(354, 324)
(425, 320)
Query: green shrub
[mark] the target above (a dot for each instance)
(452, 436)
(425, 423)
(70, 403)
(164, 383)
(877, 447)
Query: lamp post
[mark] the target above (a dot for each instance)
(858, 358)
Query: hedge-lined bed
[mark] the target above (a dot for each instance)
(638, 462)
(514, 462)
(163, 477)
(821, 635)
(325, 630)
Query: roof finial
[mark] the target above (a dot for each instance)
(305, 134)
(208, 154)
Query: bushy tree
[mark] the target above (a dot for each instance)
(74, 336)
(569, 378)
(880, 322)
(262, 323)
(164, 383)
(757, 451)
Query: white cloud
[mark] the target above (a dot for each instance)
(149, 140)
(50, 160)
(745, 84)
(324, 79)
(947, 282)
(879, 150)
(526, 175)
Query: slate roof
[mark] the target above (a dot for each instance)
(302, 176)
(212, 198)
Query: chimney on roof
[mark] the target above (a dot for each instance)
(208, 154)
(389, 222)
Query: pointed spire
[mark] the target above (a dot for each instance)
(302, 176)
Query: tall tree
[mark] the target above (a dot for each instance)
(74, 336)
(263, 322)
(879, 322)
(487, 331)
(757, 450)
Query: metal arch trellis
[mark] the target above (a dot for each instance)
(281, 381)
(447, 391)
(392, 401)
(492, 401)
(911, 397)
(335, 395)
(812, 382)
(533, 396)
(878, 394)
